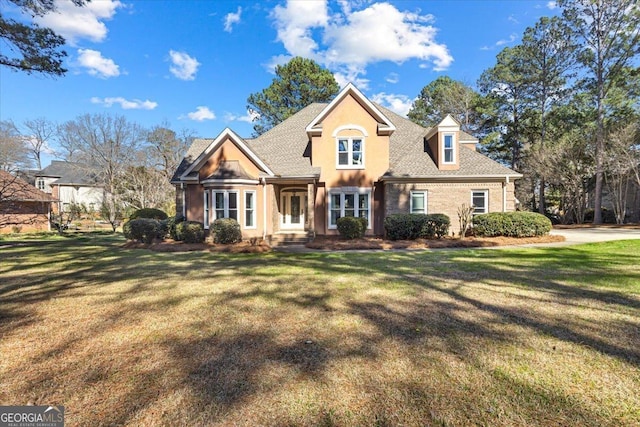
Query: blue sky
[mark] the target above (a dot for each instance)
(194, 63)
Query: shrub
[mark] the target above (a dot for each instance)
(511, 224)
(226, 231)
(148, 213)
(143, 230)
(351, 227)
(435, 226)
(404, 226)
(171, 224)
(190, 231)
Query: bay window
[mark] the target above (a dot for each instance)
(225, 204)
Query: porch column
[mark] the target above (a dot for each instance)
(310, 209)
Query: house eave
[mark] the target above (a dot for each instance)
(451, 178)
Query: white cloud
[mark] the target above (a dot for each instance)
(552, 5)
(248, 118)
(184, 66)
(512, 19)
(201, 114)
(96, 64)
(513, 37)
(400, 104)
(75, 23)
(125, 104)
(344, 42)
(393, 78)
(232, 18)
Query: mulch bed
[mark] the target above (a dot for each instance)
(337, 243)
(173, 246)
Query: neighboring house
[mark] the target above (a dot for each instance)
(350, 157)
(22, 205)
(70, 183)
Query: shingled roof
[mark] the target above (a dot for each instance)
(69, 173)
(18, 190)
(285, 149)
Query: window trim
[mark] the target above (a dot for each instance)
(254, 210)
(346, 190)
(226, 203)
(424, 194)
(453, 148)
(349, 151)
(485, 193)
(206, 207)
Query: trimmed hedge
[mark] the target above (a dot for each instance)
(190, 232)
(226, 231)
(171, 224)
(149, 213)
(412, 226)
(351, 227)
(511, 224)
(143, 230)
(436, 225)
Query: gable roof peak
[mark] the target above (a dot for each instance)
(385, 126)
(214, 144)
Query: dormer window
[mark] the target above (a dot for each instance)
(448, 149)
(350, 153)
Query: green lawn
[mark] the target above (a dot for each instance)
(546, 336)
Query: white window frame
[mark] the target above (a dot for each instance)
(453, 148)
(485, 194)
(342, 192)
(207, 208)
(254, 193)
(40, 184)
(226, 203)
(349, 152)
(424, 194)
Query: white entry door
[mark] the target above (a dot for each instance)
(292, 212)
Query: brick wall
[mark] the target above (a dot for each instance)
(446, 198)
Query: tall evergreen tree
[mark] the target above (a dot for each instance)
(610, 35)
(34, 49)
(297, 84)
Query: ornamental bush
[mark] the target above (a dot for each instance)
(190, 231)
(435, 226)
(511, 224)
(171, 224)
(143, 230)
(351, 227)
(226, 231)
(404, 226)
(149, 213)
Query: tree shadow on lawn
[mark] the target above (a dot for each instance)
(224, 372)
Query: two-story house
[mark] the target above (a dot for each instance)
(70, 183)
(350, 157)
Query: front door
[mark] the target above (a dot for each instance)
(292, 213)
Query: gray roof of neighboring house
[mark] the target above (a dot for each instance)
(286, 150)
(69, 173)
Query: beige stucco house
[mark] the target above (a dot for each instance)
(348, 157)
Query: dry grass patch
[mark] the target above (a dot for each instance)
(502, 338)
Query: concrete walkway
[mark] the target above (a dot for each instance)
(575, 236)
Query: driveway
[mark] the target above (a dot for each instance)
(574, 236)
